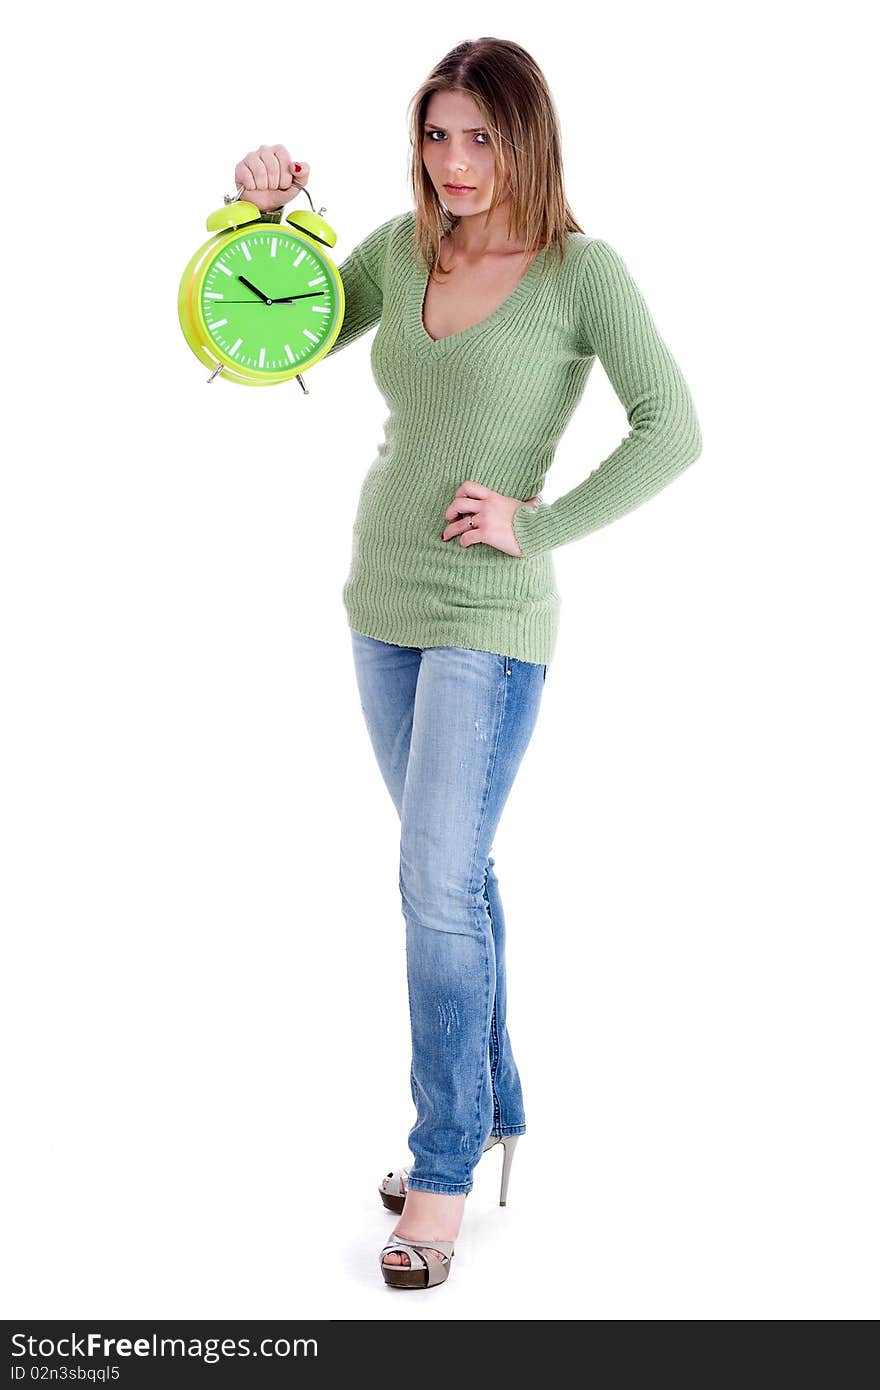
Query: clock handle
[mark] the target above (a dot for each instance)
(228, 197)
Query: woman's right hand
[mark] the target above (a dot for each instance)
(270, 177)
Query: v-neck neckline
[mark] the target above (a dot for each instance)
(419, 290)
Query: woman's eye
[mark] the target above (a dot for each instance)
(481, 134)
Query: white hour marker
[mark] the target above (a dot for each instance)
(247, 254)
(311, 335)
(274, 246)
(298, 258)
(225, 269)
(320, 309)
(290, 356)
(213, 294)
(235, 346)
(218, 323)
(262, 356)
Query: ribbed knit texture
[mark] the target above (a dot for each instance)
(489, 404)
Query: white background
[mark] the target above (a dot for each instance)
(205, 1022)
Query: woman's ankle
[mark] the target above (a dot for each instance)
(427, 1214)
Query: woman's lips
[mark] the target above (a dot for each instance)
(457, 188)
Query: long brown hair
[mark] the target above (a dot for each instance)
(507, 85)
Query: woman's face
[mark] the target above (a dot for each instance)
(457, 149)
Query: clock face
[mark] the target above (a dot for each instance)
(268, 300)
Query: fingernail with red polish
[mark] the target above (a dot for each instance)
(297, 167)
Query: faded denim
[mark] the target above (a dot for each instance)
(449, 727)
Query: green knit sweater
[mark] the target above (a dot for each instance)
(489, 404)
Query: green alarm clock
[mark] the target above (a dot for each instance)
(260, 302)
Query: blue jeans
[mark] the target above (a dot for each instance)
(449, 728)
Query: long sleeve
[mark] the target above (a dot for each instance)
(362, 274)
(664, 438)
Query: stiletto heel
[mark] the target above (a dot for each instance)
(509, 1142)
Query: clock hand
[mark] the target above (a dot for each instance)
(255, 290)
(315, 294)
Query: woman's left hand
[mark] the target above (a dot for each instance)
(492, 513)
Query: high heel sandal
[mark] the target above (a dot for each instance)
(435, 1256)
(394, 1195)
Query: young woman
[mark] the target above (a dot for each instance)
(492, 305)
